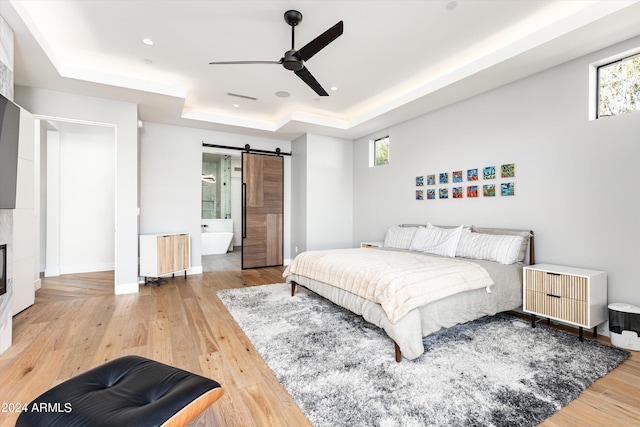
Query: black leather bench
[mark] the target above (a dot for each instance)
(129, 391)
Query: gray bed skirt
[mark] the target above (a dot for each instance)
(407, 333)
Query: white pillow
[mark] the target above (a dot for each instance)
(526, 235)
(437, 241)
(491, 247)
(399, 237)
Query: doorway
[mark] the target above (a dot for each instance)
(220, 211)
(77, 197)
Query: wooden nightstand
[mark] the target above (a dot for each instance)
(576, 296)
(371, 244)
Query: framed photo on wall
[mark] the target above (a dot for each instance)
(489, 172)
(508, 171)
(507, 189)
(489, 190)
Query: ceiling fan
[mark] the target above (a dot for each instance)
(294, 59)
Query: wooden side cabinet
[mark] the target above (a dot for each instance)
(576, 296)
(162, 254)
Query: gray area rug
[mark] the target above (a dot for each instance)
(496, 371)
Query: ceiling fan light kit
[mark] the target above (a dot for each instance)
(294, 59)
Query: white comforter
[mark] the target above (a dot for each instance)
(398, 281)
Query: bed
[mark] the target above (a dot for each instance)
(422, 279)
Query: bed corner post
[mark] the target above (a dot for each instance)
(293, 288)
(532, 252)
(398, 353)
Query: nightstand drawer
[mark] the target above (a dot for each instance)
(557, 295)
(574, 295)
(557, 284)
(550, 305)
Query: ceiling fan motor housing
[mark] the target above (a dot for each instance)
(290, 61)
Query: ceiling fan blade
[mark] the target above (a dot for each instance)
(245, 62)
(306, 77)
(317, 44)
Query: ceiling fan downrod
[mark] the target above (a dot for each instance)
(291, 61)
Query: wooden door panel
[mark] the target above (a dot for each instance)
(274, 239)
(262, 242)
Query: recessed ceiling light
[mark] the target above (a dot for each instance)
(334, 88)
(451, 5)
(148, 61)
(236, 106)
(283, 94)
(148, 42)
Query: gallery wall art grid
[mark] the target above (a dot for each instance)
(473, 188)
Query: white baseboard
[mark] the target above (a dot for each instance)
(86, 268)
(51, 272)
(195, 270)
(126, 288)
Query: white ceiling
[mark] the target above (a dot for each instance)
(395, 60)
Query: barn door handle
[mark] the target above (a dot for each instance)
(244, 210)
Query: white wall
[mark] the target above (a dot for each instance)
(170, 189)
(87, 198)
(329, 192)
(124, 116)
(25, 218)
(323, 193)
(575, 178)
(299, 195)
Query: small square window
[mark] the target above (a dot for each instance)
(619, 86)
(381, 151)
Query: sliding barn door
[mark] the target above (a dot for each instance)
(262, 188)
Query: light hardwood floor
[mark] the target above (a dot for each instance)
(77, 323)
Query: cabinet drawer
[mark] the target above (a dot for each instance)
(561, 296)
(549, 305)
(561, 285)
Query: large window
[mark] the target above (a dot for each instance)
(619, 86)
(381, 151)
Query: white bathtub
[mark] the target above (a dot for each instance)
(217, 237)
(216, 242)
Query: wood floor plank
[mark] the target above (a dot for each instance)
(198, 324)
(77, 323)
(137, 333)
